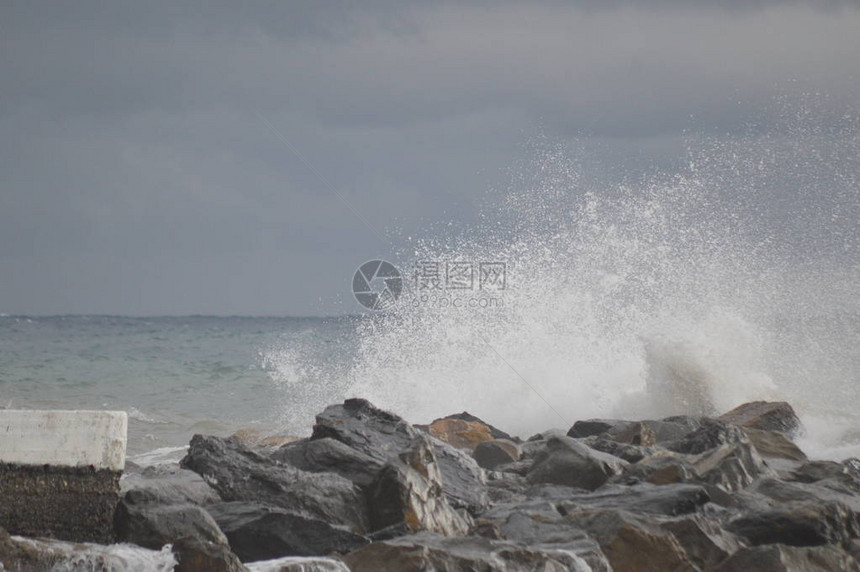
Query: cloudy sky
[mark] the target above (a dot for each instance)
(245, 158)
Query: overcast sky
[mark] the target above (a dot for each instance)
(189, 158)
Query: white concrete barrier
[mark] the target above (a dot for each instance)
(64, 438)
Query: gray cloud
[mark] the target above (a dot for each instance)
(138, 173)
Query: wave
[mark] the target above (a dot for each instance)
(731, 280)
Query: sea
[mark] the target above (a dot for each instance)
(729, 277)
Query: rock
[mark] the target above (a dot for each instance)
(565, 461)
(330, 456)
(460, 434)
(766, 415)
(817, 492)
(382, 435)
(428, 551)
(590, 427)
(632, 543)
(659, 469)
(260, 532)
(299, 564)
(669, 500)
(705, 543)
(843, 477)
(495, 432)
(710, 435)
(544, 435)
(798, 524)
(553, 533)
(491, 454)
(240, 474)
(626, 451)
(518, 468)
(194, 555)
(782, 558)
(167, 484)
(634, 434)
(673, 428)
(409, 490)
(254, 439)
(774, 445)
(153, 525)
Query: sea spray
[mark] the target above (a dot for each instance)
(691, 292)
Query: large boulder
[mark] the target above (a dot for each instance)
(668, 500)
(774, 445)
(631, 542)
(565, 461)
(703, 539)
(382, 435)
(491, 454)
(330, 456)
(461, 434)
(495, 432)
(766, 415)
(167, 484)
(260, 532)
(408, 491)
(240, 474)
(798, 524)
(153, 525)
(428, 551)
(782, 558)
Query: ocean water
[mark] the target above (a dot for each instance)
(732, 277)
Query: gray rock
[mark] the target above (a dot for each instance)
(428, 551)
(798, 524)
(408, 490)
(240, 474)
(167, 484)
(260, 532)
(565, 461)
(590, 427)
(629, 452)
(710, 435)
(194, 555)
(329, 456)
(153, 525)
(704, 541)
(381, 435)
(782, 558)
(548, 434)
(491, 454)
(817, 492)
(769, 416)
(669, 500)
(774, 445)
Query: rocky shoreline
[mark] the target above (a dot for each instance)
(368, 491)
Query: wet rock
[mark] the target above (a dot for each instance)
(704, 541)
(634, 434)
(798, 524)
(491, 454)
(544, 435)
(593, 427)
(330, 456)
(460, 434)
(628, 452)
(382, 435)
(428, 551)
(660, 469)
(254, 439)
(260, 532)
(710, 435)
(494, 431)
(153, 525)
(167, 484)
(817, 492)
(673, 428)
(552, 533)
(766, 415)
(240, 474)
(409, 490)
(631, 542)
(565, 461)
(517, 468)
(782, 558)
(194, 555)
(842, 477)
(300, 564)
(774, 445)
(669, 500)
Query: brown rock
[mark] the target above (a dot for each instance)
(767, 415)
(632, 543)
(705, 543)
(782, 558)
(634, 434)
(491, 454)
(774, 445)
(459, 433)
(195, 555)
(408, 491)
